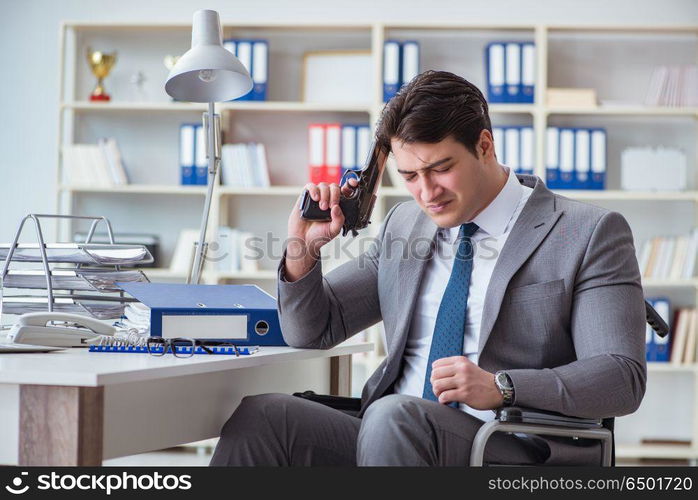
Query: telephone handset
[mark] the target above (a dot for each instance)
(32, 328)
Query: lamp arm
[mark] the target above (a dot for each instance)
(213, 146)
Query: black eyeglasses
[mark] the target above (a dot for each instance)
(183, 347)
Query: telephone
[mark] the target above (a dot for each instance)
(32, 329)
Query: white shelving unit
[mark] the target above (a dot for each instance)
(567, 56)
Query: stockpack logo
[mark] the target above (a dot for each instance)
(107, 483)
(17, 487)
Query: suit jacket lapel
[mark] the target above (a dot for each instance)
(420, 246)
(534, 223)
(418, 252)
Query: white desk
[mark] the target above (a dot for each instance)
(78, 408)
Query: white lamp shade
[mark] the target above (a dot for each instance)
(207, 72)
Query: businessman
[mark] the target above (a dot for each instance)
(492, 291)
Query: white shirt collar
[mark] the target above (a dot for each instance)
(496, 216)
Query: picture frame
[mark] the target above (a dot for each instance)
(338, 77)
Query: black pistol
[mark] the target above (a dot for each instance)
(656, 321)
(356, 207)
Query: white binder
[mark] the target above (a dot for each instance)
(245, 54)
(552, 157)
(316, 153)
(513, 71)
(333, 138)
(230, 46)
(201, 162)
(363, 145)
(566, 158)
(496, 73)
(582, 162)
(526, 139)
(391, 69)
(186, 153)
(528, 72)
(260, 51)
(512, 148)
(348, 147)
(598, 159)
(410, 61)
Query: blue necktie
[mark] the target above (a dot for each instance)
(449, 329)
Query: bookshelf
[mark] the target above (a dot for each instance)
(86, 106)
(567, 56)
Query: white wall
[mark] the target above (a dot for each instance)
(29, 58)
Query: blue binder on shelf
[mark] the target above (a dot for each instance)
(391, 69)
(243, 51)
(512, 78)
(200, 161)
(527, 146)
(363, 145)
(528, 72)
(260, 70)
(239, 314)
(494, 62)
(511, 72)
(187, 158)
(566, 165)
(254, 55)
(582, 159)
(657, 348)
(410, 61)
(598, 157)
(512, 148)
(231, 46)
(552, 157)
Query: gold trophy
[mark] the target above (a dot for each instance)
(100, 64)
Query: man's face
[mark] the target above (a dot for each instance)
(444, 178)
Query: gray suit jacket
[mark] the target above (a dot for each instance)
(563, 315)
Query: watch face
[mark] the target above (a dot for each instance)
(504, 381)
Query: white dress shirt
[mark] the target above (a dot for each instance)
(495, 223)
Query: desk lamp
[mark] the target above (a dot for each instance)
(207, 73)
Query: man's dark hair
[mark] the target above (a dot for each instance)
(433, 106)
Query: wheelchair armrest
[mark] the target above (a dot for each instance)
(523, 415)
(351, 406)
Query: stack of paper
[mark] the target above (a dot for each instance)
(105, 281)
(80, 279)
(91, 165)
(80, 253)
(674, 86)
(115, 255)
(136, 316)
(244, 165)
(26, 304)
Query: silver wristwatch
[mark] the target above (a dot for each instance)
(505, 386)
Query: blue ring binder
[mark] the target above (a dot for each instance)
(242, 350)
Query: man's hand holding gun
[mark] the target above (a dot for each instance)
(323, 210)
